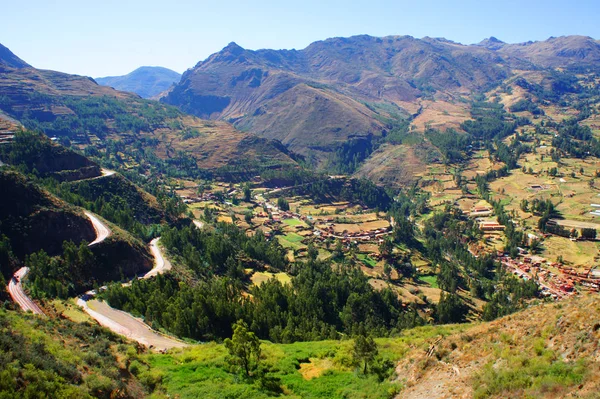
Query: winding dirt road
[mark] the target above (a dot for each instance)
(161, 264)
(15, 289)
(102, 231)
(124, 323)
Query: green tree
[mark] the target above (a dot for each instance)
(450, 309)
(247, 193)
(243, 348)
(283, 204)
(386, 247)
(364, 351)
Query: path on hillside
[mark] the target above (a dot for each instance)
(102, 230)
(161, 264)
(124, 323)
(15, 289)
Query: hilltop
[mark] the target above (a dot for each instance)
(145, 81)
(9, 59)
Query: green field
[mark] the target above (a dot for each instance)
(293, 237)
(367, 260)
(322, 369)
(431, 280)
(293, 222)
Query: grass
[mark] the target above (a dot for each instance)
(260, 277)
(293, 237)
(528, 374)
(367, 260)
(202, 371)
(431, 280)
(293, 222)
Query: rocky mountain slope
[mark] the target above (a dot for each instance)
(78, 108)
(145, 81)
(341, 89)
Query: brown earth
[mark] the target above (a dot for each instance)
(567, 331)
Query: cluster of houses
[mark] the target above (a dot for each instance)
(347, 237)
(482, 213)
(325, 230)
(552, 284)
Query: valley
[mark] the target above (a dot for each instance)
(364, 218)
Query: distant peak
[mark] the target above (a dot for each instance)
(491, 43)
(492, 39)
(234, 47)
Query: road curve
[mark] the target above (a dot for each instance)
(125, 324)
(102, 231)
(161, 264)
(15, 289)
(198, 223)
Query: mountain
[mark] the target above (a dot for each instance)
(340, 89)
(9, 59)
(564, 51)
(343, 91)
(146, 81)
(76, 108)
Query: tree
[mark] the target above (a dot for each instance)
(248, 217)
(243, 348)
(283, 204)
(247, 193)
(365, 350)
(387, 270)
(588, 233)
(386, 247)
(450, 309)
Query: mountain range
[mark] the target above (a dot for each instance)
(342, 89)
(332, 103)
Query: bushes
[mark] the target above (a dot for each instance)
(56, 358)
(528, 375)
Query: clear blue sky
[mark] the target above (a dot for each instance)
(107, 37)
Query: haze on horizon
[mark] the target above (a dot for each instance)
(111, 37)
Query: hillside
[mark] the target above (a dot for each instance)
(33, 219)
(545, 351)
(78, 109)
(37, 154)
(59, 358)
(145, 81)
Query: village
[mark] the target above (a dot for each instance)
(555, 279)
(302, 224)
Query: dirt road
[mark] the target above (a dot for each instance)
(125, 324)
(161, 264)
(15, 289)
(102, 231)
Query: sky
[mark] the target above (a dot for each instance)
(108, 38)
